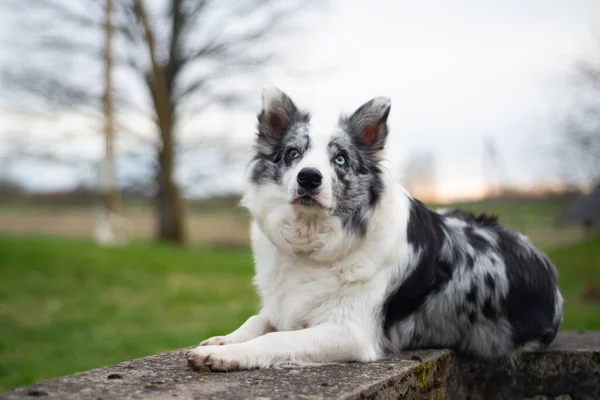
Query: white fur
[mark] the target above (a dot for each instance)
(319, 286)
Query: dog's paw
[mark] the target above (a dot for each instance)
(215, 359)
(217, 341)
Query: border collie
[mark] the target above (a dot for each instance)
(350, 267)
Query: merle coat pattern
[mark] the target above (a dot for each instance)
(350, 267)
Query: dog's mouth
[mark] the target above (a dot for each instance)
(307, 200)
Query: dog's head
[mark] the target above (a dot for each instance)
(308, 172)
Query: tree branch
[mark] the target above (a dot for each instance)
(156, 80)
(64, 13)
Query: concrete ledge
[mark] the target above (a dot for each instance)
(569, 369)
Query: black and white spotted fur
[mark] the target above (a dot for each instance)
(350, 267)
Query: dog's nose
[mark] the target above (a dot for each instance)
(309, 178)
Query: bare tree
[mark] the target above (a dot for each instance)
(580, 148)
(186, 55)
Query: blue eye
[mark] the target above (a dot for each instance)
(293, 153)
(340, 160)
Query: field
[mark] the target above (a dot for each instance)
(219, 226)
(67, 305)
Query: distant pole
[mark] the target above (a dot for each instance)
(112, 195)
(492, 170)
(105, 229)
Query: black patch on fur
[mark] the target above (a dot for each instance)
(424, 229)
(481, 220)
(469, 261)
(445, 269)
(531, 299)
(489, 311)
(269, 151)
(476, 241)
(489, 281)
(472, 294)
(429, 275)
(472, 317)
(362, 174)
(528, 307)
(359, 184)
(375, 186)
(417, 337)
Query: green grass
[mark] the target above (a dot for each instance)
(68, 305)
(578, 265)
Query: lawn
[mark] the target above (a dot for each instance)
(67, 305)
(579, 265)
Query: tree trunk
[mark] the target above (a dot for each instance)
(168, 202)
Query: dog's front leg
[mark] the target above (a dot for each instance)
(327, 343)
(255, 326)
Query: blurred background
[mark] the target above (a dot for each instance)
(125, 127)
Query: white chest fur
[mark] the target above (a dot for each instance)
(297, 292)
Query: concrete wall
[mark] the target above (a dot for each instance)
(569, 369)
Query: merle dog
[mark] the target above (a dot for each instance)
(350, 267)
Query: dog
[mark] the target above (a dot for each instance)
(351, 268)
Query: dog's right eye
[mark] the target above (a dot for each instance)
(340, 160)
(292, 154)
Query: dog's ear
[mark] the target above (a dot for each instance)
(277, 115)
(369, 123)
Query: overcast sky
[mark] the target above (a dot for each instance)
(456, 71)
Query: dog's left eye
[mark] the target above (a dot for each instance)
(340, 160)
(293, 153)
